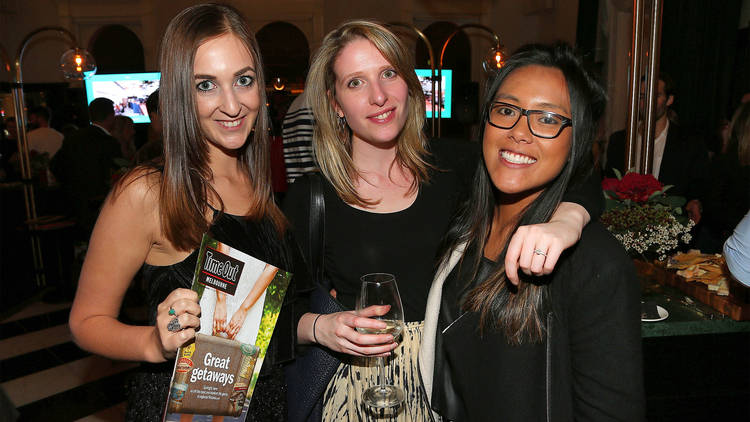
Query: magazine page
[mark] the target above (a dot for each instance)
(240, 299)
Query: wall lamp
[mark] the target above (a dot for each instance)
(492, 62)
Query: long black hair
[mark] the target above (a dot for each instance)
(519, 313)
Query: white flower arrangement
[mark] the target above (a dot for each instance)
(660, 239)
(642, 217)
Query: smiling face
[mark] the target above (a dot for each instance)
(226, 92)
(369, 93)
(518, 162)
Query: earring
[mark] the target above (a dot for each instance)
(342, 123)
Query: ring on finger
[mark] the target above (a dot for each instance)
(171, 311)
(538, 251)
(174, 325)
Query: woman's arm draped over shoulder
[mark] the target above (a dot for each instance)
(536, 248)
(588, 194)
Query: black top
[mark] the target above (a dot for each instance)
(587, 368)
(404, 243)
(148, 389)
(84, 166)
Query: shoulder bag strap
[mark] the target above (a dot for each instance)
(317, 227)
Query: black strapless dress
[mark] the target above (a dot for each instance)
(149, 386)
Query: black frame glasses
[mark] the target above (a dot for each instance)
(564, 121)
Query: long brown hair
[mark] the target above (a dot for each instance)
(332, 141)
(185, 187)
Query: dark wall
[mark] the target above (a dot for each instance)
(698, 50)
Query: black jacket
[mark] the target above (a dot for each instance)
(589, 368)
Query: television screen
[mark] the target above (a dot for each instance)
(446, 90)
(128, 91)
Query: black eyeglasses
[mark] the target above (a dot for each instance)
(542, 124)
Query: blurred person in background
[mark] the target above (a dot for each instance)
(729, 198)
(154, 146)
(124, 131)
(41, 137)
(85, 164)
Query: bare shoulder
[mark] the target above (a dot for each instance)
(133, 205)
(139, 189)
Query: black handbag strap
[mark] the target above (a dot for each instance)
(317, 227)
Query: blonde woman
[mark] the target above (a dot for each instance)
(389, 195)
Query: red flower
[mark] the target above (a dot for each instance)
(610, 184)
(633, 186)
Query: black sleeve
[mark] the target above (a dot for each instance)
(699, 183)
(296, 207)
(460, 156)
(615, 154)
(587, 194)
(58, 164)
(605, 333)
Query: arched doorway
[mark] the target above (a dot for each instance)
(117, 49)
(286, 56)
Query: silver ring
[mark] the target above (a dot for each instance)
(174, 325)
(540, 252)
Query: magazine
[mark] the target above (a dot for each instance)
(240, 299)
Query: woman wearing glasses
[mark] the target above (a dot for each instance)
(389, 196)
(567, 346)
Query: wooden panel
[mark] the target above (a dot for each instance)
(735, 306)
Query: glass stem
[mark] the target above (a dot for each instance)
(381, 364)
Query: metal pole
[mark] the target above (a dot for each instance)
(421, 35)
(23, 147)
(498, 46)
(652, 78)
(635, 72)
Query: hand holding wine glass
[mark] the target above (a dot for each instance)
(381, 289)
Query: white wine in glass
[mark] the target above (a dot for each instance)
(381, 289)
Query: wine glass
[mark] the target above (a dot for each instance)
(381, 289)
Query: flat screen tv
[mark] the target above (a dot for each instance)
(446, 91)
(128, 91)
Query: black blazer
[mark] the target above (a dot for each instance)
(85, 163)
(588, 368)
(684, 165)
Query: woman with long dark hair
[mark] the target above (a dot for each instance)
(567, 346)
(215, 178)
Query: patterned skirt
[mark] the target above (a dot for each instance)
(343, 397)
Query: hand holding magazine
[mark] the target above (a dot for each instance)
(240, 298)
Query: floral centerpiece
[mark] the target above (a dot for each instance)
(642, 217)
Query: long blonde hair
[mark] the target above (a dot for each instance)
(332, 140)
